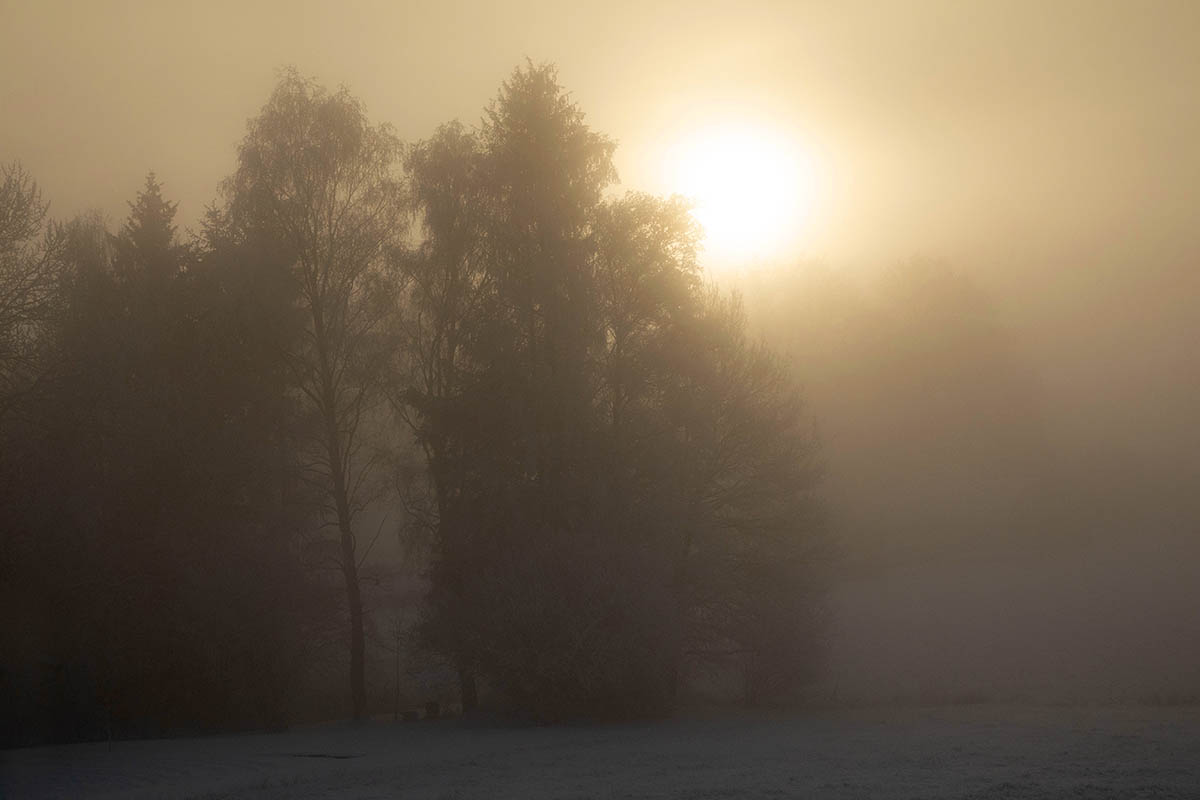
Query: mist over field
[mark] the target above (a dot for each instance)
(786, 372)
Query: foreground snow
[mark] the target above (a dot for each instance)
(976, 752)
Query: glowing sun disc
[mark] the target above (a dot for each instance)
(752, 190)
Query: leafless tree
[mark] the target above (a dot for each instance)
(323, 180)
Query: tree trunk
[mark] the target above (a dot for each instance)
(341, 500)
(358, 687)
(358, 684)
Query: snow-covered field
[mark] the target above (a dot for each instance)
(976, 752)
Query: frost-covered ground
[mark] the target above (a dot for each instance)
(977, 752)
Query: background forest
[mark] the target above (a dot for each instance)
(452, 404)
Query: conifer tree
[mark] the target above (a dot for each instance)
(147, 241)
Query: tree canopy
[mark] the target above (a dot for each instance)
(623, 484)
(472, 335)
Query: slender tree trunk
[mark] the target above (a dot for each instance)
(358, 689)
(468, 691)
(340, 492)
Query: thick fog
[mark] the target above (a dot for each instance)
(993, 313)
(1017, 517)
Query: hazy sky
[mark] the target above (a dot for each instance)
(1017, 129)
(1052, 149)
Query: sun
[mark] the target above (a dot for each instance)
(753, 190)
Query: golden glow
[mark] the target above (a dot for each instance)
(753, 191)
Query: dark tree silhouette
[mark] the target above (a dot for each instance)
(147, 241)
(144, 493)
(321, 179)
(448, 283)
(621, 483)
(617, 486)
(31, 254)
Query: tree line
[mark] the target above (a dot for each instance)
(612, 484)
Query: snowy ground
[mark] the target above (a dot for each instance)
(975, 752)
